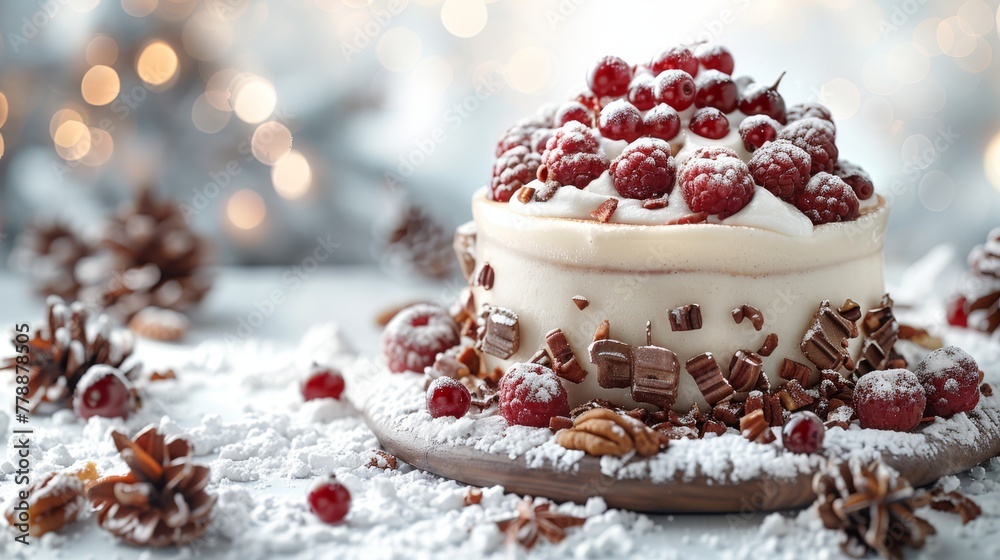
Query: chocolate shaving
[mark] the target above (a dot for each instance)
(464, 244)
(825, 343)
(162, 375)
(986, 389)
(548, 190)
(383, 460)
(603, 331)
(794, 397)
(541, 357)
(581, 302)
(686, 318)
(613, 359)
(749, 312)
(769, 345)
(713, 427)
(851, 310)
(563, 359)
(953, 502)
(763, 384)
(689, 219)
(790, 369)
(655, 203)
(525, 194)
(744, 370)
(604, 212)
(706, 373)
(881, 333)
(728, 412)
(655, 375)
(486, 277)
(502, 335)
(755, 428)
(557, 423)
(921, 337)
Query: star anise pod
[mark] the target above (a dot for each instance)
(162, 501)
(874, 507)
(55, 500)
(49, 252)
(534, 520)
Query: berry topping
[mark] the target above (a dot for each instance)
(675, 58)
(620, 120)
(330, 501)
(809, 109)
(531, 395)
(957, 315)
(517, 135)
(644, 170)
(709, 122)
(714, 152)
(758, 99)
(610, 77)
(447, 397)
(675, 88)
(572, 111)
(951, 381)
(715, 57)
(571, 157)
(103, 391)
(588, 100)
(721, 185)
(323, 384)
(803, 433)
(743, 82)
(661, 122)
(818, 138)
(539, 138)
(642, 92)
(758, 130)
(889, 400)
(718, 90)
(415, 336)
(827, 198)
(780, 167)
(857, 178)
(514, 169)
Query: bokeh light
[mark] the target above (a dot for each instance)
(877, 112)
(530, 69)
(433, 75)
(877, 77)
(918, 152)
(399, 49)
(464, 18)
(246, 209)
(978, 15)
(979, 60)
(72, 140)
(936, 191)
(842, 97)
(100, 85)
(219, 89)
(1, 146)
(271, 142)
(61, 117)
(253, 99)
(292, 176)
(139, 8)
(908, 63)
(991, 162)
(207, 36)
(925, 36)
(4, 109)
(157, 63)
(102, 49)
(956, 37)
(102, 146)
(207, 117)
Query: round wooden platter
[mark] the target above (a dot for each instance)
(679, 494)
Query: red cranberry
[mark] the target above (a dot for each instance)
(588, 100)
(620, 120)
(757, 130)
(642, 92)
(323, 384)
(103, 391)
(675, 88)
(715, 57)
(803, 433)
(718, 90)
(764, 100)
(330, 501)
(573, 111)
(448, 397)
(709, 122)
(661, 122)
(610, 76)
(675, 58)
(957, 317)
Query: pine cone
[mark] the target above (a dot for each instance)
(49, 251)
(64, 349)
(156, 259)
(418, 243)
(162, 501)
(874, 507)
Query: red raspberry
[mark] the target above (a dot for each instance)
(780, 167)
(530, 395)
(588, 100)
(957, 315)
(809, 109)
(514, 169)
(889, 400)
(818, 138)
(803, 433)
(620, 120)
(415, 336)
(714, 152)
(517, 135)
(661, 122)
(571, 157)
(857, 178)
(715, 57)
(718, 90)
(722, 185)
(539, 138)
(610, 77)
(323, 384)
(827, 198)
(709, 122)
(675, 58)
(757, 130)
(951, 380)
(642, 92)
(330, 501)
(758, 99)
(572, 111)
(644, 170)
(675, 88)
(448, 397)
(103, 391)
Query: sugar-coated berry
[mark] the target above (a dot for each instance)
(950, 378)
(642, 92)
(889, 400)
(573, 111)
(517, 135)
(757, 130)
(103, 391)
(610, 76)
(827, 198)
(956, 314)
(539, 138)
(743, 82)
(512, 170)
(780, 167)
(803, 433)
(710, 123)
(448, 397)
(807, 110)
(415, 336)
(323, 384)
(818, 138)
(620, 120)
(662, 122)
(719, 185)
(572, 157)
(531, 395)
(675, 58)
(856, 177)
(645, 169)
(715, 57)
(718, 90)
(675, 88)
(758, 99)
(714, 152)
(330, 501)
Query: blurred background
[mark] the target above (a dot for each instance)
(268, 124)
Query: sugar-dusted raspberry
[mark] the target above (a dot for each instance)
(517, 135)
(415, 336)
(572, 111)
(809, 109)
(675, 88)
(715, 57)
(610, 76)
(951, 380)
(857, 178)
(714, 152)
(718, 90)
(644, 170)
(675, 58)
(661, 122)
(780, 167)
(709, 122)
(722, 185)
(889, 400)
(588, 100)
(817, 137)
(539, 138)
(757, 130)
(531, 395)
(572, 157)
(620, 120)
(642, 91)
(827, 198)
(513, 169)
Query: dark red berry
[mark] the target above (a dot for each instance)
(447, 397)
(857, 178)
(531, 395)
(539, 138)
(809, 109)
(103, 391)
(759, 99)
(715, 57)
(572, 111)
(803, 433)
(714, 152)
(642, 92)
(709, 122)
(950, 378)
(620, 120)
(818, 138)
(957, 315)
(889, 400)
(718, 90)
(743, 82)
(721, 186)
(644, 170)
(571, 157)
(661, 122)
(517, 135)
(757, 130)
(415, 336)
(588, 100)
(610, 77)
(514, 169)
(323, 384)
(675, 88)
(330, 501)
(675, 58)
(827, 198)
(780, 167)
